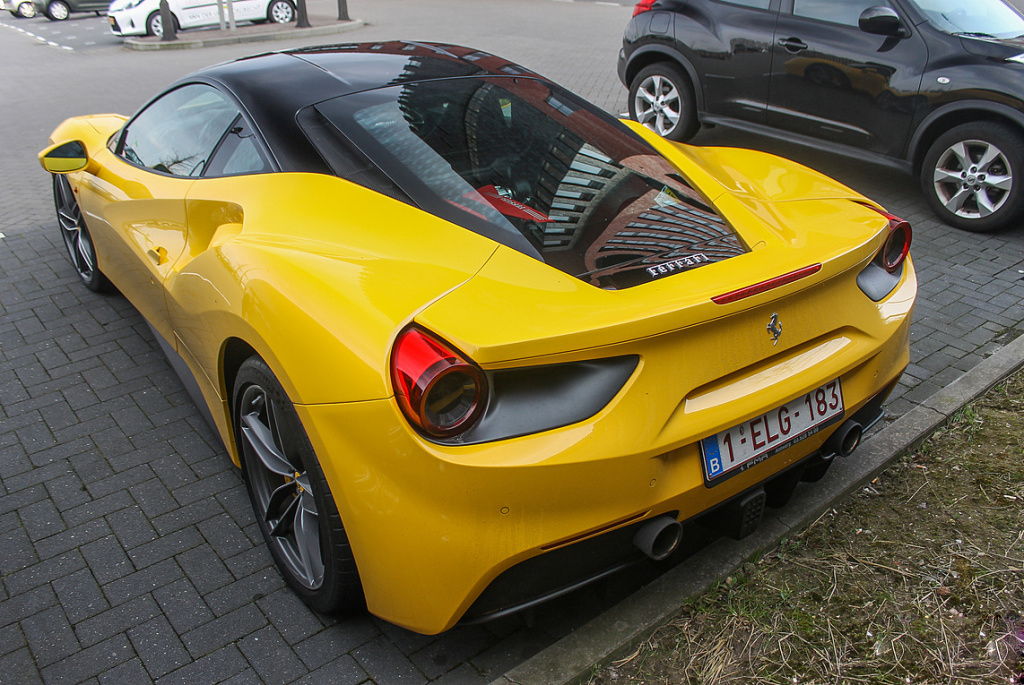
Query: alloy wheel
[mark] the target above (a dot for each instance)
(281, 489)
(972, 179)
(72, 229)
(657, 104)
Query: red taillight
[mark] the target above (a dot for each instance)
(765, 286)
(897, 244)
(439, 392)
(643, 6)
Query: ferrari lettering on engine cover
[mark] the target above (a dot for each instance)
(678, 265)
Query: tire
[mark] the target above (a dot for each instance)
(280, 12)
(57, 10)
(26, 10)
(76, 237)
(290, 497)
(661, 98)
(154, 25)
(973, 176)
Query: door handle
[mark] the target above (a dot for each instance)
(157, 254)
(793, 44)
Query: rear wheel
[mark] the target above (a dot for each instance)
(661, 98)
(973, 176)
(26, 10)
(280, 11)
(289, 494)
(58, 10)
(76, 237)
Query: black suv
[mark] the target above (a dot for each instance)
(935, 87)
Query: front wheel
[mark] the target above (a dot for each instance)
(661, 98)
(280, 12)
(973, 176)
(26, 10)
(76, 237)
(293, 505)
(155, 24)
(58, 10)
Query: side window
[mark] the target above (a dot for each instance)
(238, 154)
(178, 133)
(836, 11)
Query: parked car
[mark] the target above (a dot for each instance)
(142, 17)
(23, 9)
(471, 340)
(59, 10)
(934, 87)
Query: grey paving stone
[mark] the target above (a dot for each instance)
(223, 631)
(18, 668)
(212, 668)
(128, 673)
(157, 643)
(116, 620)
(271, 657)
(338, 639)
(341, 671)
(107, 559)
(89, 662)
(183, 606)
(289, 616)
(386, 664)
(80, 595)
(141, 582)
(50, 636)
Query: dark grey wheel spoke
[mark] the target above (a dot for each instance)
(76, 239)
(283, 500)
(307, 539)
(261, 438)
(281, 490)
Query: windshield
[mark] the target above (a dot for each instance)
(528, 165)
(983, 18)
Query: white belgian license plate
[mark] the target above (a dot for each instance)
(750, 443)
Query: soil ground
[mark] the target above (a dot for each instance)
(918, 578)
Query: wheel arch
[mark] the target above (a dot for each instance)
(645, 56)
(958, 113)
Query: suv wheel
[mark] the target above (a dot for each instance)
(661, 98)
(973, 176)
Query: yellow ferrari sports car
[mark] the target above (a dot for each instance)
(473, 342)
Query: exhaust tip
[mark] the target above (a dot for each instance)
(846, 439)
(659, 537)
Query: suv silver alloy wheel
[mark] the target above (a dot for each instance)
(657, 104)
(973, 179)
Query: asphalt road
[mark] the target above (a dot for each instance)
(127, 549)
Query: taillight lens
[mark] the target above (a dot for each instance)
(643, 6)
(439, 391)
(897, 244)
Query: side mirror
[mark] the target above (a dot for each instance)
(882, 21)
(63, 158)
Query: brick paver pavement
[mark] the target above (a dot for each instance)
(128, 552)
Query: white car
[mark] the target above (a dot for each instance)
(142, 17)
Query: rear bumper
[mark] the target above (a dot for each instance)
(432, 527)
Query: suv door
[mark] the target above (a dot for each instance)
(831, 80)
(732, 51)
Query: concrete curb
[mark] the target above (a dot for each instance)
(623, 626)
(245, 34)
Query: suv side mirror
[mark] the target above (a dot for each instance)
(882, 21)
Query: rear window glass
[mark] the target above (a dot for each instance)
(520, 161)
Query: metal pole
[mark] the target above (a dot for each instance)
(301, 16)
(231, 14)
(343, 10)
(220, 14)
(167, 32)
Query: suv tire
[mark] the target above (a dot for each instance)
(973, 176)
(661, 98)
